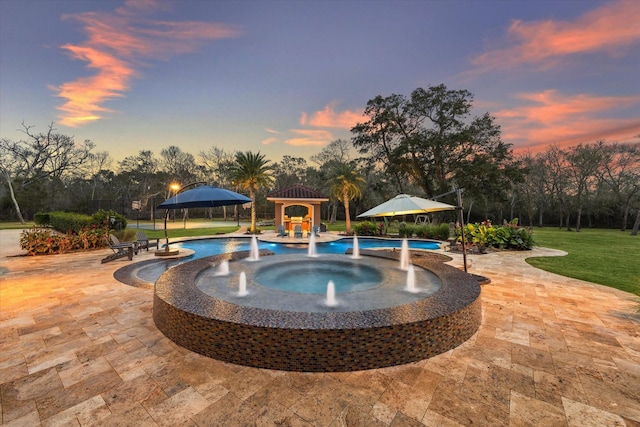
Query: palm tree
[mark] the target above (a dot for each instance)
(251, 171)
(346, 184)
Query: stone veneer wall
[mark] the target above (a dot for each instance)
(316, 342)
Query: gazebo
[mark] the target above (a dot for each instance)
(297, 195)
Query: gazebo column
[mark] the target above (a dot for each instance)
(279, 211)
(316, 213)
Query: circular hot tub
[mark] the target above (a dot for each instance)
(376, 326)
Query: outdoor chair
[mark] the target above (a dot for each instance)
(297, 231)
(120, 249)
(144, 241)
(316, 231)
(281, 232)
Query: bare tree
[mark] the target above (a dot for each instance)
(138, 177)
(9, 171)
(584, 166)
(532, 189)
(97, 164)
(558, 185)
(217, 164)
(636, 225)
(291, 170)
(622, 176)
(41, 156)
(179, 165)
(337, 151)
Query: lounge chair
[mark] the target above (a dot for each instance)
(316, 231)
(144, 241)
(297, 231)
(120, 249)
(281, 232)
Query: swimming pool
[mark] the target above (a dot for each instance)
(216, 246)
(221, 245)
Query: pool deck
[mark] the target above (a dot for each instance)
(78, 347)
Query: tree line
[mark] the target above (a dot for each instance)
(425, 144)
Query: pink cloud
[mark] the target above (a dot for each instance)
(310, 137)
(329, 118)
(269, 141)
(609, 28)
(118, 43)
(549, 118)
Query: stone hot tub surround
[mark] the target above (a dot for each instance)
(317, 341)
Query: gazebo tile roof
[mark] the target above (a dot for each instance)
(296, 191)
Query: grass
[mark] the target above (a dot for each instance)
(189, 232)
(606, 257)
(15, 225)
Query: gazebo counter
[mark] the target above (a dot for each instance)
(291, 222)
(318, 341)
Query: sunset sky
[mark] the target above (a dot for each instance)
(288, 77)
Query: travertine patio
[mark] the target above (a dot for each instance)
(77, 347)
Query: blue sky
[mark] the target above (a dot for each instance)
(288, 77)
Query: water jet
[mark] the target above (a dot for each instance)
(356, 248)
(223, 268)
(312, 252)
(254, 253)
(331, 294)
(242, 285)
(411, 280)
(404, 255)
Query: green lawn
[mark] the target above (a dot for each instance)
(189, 232)
(607, 257)
(15, 225)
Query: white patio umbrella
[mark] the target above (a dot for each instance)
(404, 204)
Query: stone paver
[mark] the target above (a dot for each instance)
(78, 347)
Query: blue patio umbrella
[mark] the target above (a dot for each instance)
(204, 196)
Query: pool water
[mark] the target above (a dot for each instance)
(216, 246)
(312, 277)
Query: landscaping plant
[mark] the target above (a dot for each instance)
(507, 236)
(45, 241)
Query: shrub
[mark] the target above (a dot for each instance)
(407, 230)
(126, 235)
(69, 221)
(437, 232)
(103, 218)
(442, 232)
(44, 241)
(366, 228)
(424, 232)
(507, 236)
(42, 219)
